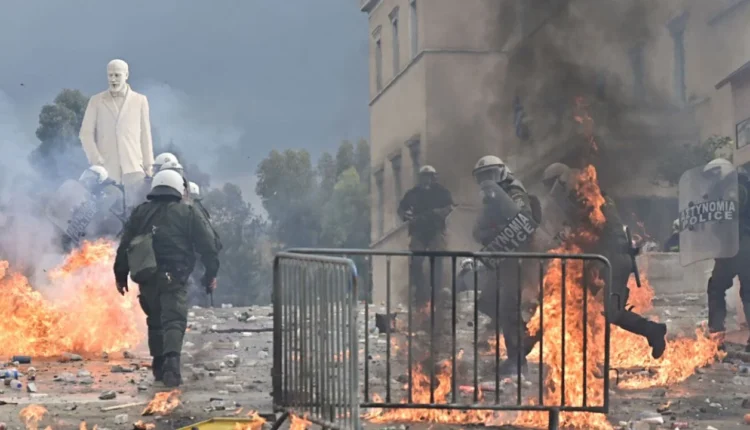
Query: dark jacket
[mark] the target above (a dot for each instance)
(423, 203)
(180, 232)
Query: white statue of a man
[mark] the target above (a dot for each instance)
(116, 133)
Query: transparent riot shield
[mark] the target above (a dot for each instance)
(709, 214)
(513, 229)
(71, 209)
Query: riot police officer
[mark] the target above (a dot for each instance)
(177, 232)
(491, 172)
(612, 243)
(725, 269)
(426, 207)
(673, 243)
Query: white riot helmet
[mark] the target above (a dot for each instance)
(162, 159)
(427, 176)
(718, 168)
(195, 190)
(490, 168)
(167, 183)
(172, 165)
(676, 225)
(94, 175)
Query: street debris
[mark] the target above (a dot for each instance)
(107, 395)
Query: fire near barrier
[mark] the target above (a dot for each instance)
(442, 362)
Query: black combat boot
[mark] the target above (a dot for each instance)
(717, 308)
(157, 368)
(171, 373)
(657, 339)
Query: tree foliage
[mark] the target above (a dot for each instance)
(327, 206)
(244, 275)
(690, 155)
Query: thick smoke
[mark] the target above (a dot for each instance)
(28, 239)
(589, 50)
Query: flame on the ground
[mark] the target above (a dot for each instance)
(82, 311)
(255, 422)
(299, 423)
(163, 403)
(140, 425)
(31, 416)
(82, 426)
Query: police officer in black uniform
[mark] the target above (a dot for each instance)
(612, 243)
(491, 171)
(426, 207)
(725, 269)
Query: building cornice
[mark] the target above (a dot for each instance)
(368, 5)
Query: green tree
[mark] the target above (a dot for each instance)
(345, 219)
(344, 157)
(676, 163)
(327, 175)
(244, 277)
(288, 187)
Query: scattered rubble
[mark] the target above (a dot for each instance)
(107, 395)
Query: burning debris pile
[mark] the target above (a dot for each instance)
(80, 311)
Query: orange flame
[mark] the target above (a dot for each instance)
(163, 403)
(140, 425)
(80, 311)
(256, 422)
(299, 423)
(31, 416)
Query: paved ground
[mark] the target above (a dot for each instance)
(716, 396)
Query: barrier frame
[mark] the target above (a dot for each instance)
(553, 410)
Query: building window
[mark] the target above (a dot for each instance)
(636, 62)
(413, 28)
(677, 29)
(381, 203)
(378, 60)
(414, 152)
(396, 50)
(397, 187)
(743, 133)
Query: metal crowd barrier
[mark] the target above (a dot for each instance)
(315, 375)
(304, 262)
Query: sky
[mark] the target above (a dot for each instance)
(227, 80)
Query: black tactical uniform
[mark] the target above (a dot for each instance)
(485, 231)
(197, 294)
(613, 244)
(725, 269)
(180, 232)
(425, 209)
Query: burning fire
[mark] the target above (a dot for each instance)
(163, 403)
(299, 423)
(31, 416)
(255, 422)
(140, 425)
(80, 310)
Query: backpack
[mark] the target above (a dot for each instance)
(141, 256)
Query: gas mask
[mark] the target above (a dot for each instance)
(426, 180)
(117, 75)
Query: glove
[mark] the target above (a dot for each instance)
(122, 287)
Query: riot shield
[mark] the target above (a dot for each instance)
(513, 228)
(71, 209)
(557, 208)
(110, 214)
(709, 215)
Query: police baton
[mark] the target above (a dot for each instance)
(633, 251)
